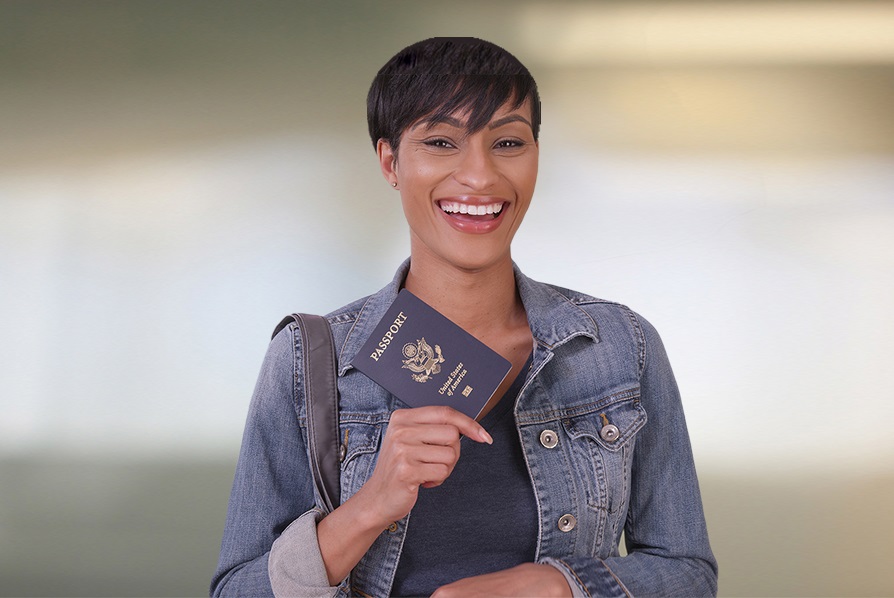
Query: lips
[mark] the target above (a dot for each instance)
(455, 207)
(482, 215)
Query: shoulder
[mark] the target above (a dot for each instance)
(286, 340)
(346, 315)
(603, 311)
(591, 304)
(616, 323)
(350, 322)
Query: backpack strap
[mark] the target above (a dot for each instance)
(321, 403)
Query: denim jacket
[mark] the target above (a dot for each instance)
(603, 434)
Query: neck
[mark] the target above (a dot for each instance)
(480, 301)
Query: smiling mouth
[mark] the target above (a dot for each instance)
(454, 207)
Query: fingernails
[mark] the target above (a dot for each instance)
(486, 437)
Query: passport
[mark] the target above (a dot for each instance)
(423, 358)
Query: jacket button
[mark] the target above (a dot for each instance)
(549, 439)
(393, 527)
(567, 523)
(609, 433)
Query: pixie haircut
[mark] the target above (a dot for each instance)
(438, 77)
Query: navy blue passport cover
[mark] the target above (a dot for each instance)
(423, 358)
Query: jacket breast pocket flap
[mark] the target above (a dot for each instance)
(612, 422)
(359, 439)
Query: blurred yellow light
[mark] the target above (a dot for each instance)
(712, 33)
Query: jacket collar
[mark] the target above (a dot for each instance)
(553, 316)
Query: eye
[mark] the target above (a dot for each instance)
(509, 144)
(438, 142)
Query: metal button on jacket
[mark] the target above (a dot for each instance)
(609, 433)
(567, 523)
(549, 439)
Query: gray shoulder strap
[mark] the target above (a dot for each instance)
(321, 403)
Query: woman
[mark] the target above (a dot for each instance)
(584, 439)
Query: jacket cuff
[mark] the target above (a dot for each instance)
(295, 565)
(597, 580)
(577, 588)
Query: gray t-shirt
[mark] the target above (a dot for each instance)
(482, 519)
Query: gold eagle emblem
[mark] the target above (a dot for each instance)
(422, 360)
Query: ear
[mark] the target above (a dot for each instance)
(387, 161)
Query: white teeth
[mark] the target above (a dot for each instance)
(454, 207)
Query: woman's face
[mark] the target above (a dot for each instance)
(464, 195)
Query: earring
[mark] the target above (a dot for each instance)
(394, 184)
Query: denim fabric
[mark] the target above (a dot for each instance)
(594, 363)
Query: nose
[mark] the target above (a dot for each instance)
(476, 168)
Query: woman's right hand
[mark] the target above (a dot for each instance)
(420, 448)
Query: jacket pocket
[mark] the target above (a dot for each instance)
(359, 444)
(601, 443)
(612, 422)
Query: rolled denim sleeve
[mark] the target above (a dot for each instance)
(272, 501)
(294, 576)
(666, 535)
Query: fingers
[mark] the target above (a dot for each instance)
(426, 441)
(444, 416)
(412, 433)
(420, 448)
(426, 474)
(421, 453)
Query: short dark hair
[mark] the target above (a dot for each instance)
(439, 76)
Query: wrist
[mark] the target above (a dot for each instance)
(345, 534)
(560, 578)
(366, 512)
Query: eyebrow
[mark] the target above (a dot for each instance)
(509, 119)
(445, 120)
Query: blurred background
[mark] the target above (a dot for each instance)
(175, 176)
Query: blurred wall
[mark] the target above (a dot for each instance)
(176, 176)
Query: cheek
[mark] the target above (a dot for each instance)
(415, 206)
(532, 180)
(423, 176)
(407, 204)
(525, 177)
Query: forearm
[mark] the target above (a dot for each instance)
(271, 521)
(667, 539)
(346, 533)
(249, 579)
(527, 579)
